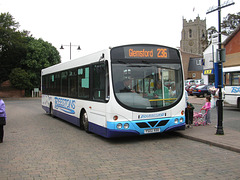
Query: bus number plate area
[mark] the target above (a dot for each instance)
(148, 131)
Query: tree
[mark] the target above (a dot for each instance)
(212, 30)
(13, 44)
(20, 79)
(230, 23)
(7, 22)
(21, 53)
(40, 54)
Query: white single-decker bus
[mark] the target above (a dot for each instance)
(122, 91)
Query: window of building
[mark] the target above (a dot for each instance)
(190, 33)
(199, 62)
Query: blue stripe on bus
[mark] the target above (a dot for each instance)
(181, 126)
(46, 109)
(64, 116)
(110, 133)
(170, 126)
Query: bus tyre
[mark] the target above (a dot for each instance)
(51, 110)
(85, 121)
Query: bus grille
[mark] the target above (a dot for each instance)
(152, 124)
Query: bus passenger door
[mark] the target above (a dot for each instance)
(100, 96)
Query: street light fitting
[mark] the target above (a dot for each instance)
(71, 48)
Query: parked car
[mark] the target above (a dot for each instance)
(189, 82)
(202, 90)
(199, 81)
(187, 87)
(191, 89)
(212, 89)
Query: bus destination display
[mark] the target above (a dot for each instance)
(146, 52)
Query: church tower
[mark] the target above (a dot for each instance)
(194, 36)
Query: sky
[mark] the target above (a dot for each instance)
(99, 24)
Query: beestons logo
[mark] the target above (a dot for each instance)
(65, 105)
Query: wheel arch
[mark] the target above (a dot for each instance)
(238, 102)
(80, 118)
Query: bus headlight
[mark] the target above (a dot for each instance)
(181, 120)
(119, 125)
(126, 126)
(176, 121)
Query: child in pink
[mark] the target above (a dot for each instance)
(207, 108)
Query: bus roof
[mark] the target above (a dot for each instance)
(231, 69)
(88, 59)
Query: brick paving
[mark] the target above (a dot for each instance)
(37, 146)
(207, 134)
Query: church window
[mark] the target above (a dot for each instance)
(203, 35)
(190, 33)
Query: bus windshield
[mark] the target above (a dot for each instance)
(140, 85)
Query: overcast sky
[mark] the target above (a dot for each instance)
(98, 24)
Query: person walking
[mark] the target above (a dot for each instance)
(3, 118)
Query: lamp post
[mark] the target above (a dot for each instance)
(71, 48)
(219, 65)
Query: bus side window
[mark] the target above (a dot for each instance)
(72, 83)
(83, 82)
(64, 83)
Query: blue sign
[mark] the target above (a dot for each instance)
(218, 82)
(208, 71)
(66, 105)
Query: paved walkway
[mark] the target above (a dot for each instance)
(207, 134)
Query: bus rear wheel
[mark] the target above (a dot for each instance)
(51, 110)
(85, 121)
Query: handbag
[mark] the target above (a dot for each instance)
(2, 121)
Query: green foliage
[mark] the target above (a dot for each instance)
(7, 22)
(40, 54)
(13, 45)
(20, 79)
(19, 51)
(230, 23)
(212, 30)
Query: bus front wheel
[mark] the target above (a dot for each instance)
(85, 121)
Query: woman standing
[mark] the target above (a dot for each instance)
(3, 118)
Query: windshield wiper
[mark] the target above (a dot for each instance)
(145, 62)
(121, 62)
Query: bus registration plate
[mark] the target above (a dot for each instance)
(148, 131)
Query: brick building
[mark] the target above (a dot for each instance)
(232, 46)
(191, 67)
(6, 90)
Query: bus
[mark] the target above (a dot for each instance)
(232, 85)
(121, 91)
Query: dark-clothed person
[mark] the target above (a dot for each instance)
(3, 118)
